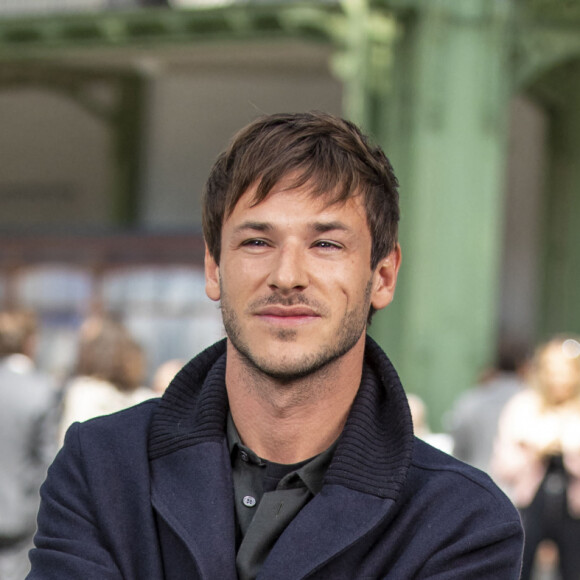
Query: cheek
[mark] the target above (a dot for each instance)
(240, 280)
(353, 284)
(252, 272)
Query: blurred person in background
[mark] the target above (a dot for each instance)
(474, 417)
(537, 454)
(28, 416)
(109, 373)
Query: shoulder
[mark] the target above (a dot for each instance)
(453, 517)
(115, 433)
(431, 464)
(458, 487)
(104, 454)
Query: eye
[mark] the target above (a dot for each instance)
(327, 245)
(255, 243)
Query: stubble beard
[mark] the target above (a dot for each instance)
(285, 371)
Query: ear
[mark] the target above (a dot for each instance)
(212, 277)
(385, 279)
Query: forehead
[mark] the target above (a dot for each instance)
(285, 200)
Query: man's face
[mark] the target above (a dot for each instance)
(295, 281)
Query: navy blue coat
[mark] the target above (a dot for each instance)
(147, 494)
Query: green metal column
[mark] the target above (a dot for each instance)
(444, 127)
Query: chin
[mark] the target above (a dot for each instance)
(287, 366)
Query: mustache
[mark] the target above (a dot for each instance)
(292, 300)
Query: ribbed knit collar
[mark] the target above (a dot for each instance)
(373, 453)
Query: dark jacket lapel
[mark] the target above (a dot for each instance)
(192, 493)
(192, 489)
(363, 481)
(335, 519)
(192, 482)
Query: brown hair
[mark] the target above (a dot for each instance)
(108, 352)
(328, 153)
(567, 347)
(17, 328)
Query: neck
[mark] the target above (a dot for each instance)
(290, 421)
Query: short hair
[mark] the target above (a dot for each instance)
(328, 154)
(17, 328)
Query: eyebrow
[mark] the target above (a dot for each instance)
(319, 227)
(255, 226)
(323, 227)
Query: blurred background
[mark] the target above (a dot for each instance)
(112, 111)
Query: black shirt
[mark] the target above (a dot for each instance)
(267, 498)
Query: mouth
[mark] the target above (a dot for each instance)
(287, 315)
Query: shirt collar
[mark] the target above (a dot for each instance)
(310, 472)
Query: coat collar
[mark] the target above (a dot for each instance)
(192, 486)
(373, 453)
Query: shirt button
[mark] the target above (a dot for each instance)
(244, 456)
(249, 501)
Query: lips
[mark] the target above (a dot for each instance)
(287, 312)
(281, 316)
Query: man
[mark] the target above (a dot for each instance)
(28, 403)
(287, 450)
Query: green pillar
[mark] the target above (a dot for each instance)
(444, 127)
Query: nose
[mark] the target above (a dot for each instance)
(288, 270)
